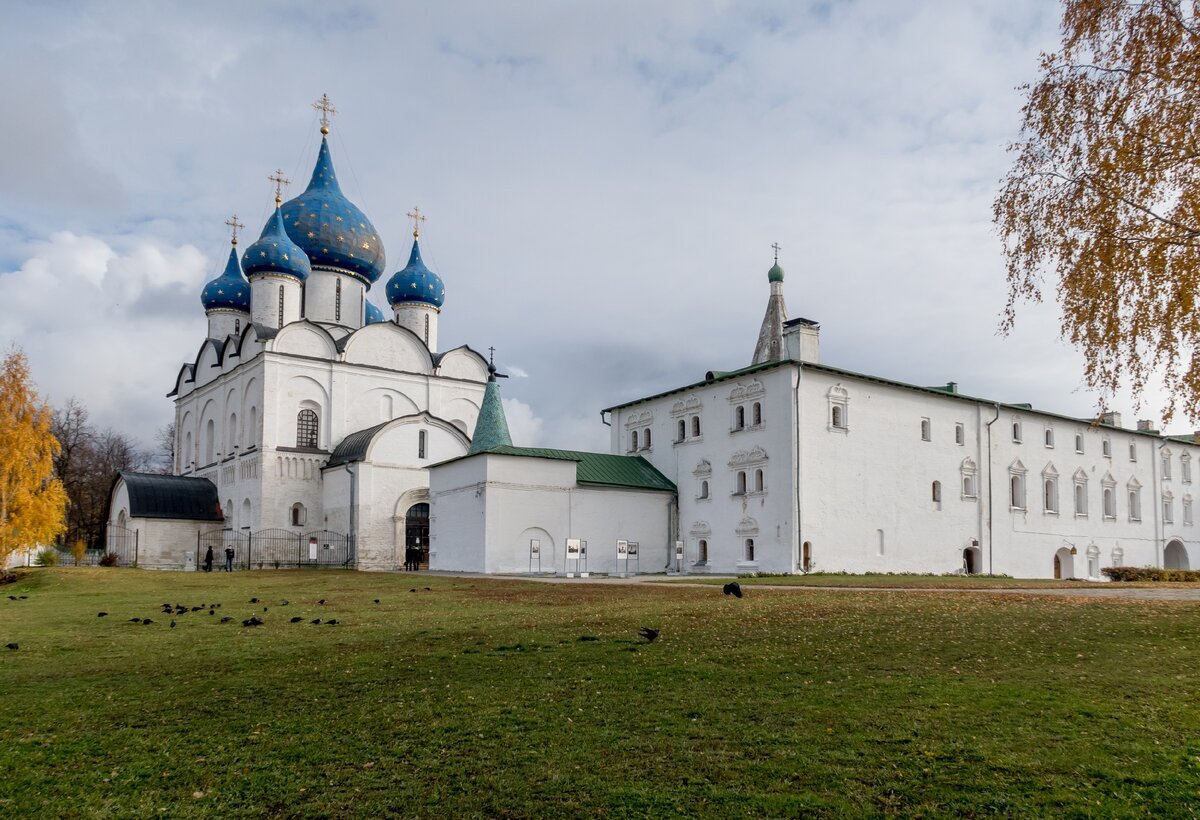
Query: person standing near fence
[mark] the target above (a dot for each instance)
(229, 558)
(208, 560)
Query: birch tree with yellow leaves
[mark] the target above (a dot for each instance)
(1101, 208)
(32, 501)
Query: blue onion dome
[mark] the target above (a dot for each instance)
(416, 283)
(374, 314)
(229, 291)
(331, 229)
(275, 253)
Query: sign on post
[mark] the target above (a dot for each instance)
(573, 547)
(679, 556)
(535, 554)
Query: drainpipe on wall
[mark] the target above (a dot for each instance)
(991, 538)
(353, 518)
(1156, 502)
(797, 560)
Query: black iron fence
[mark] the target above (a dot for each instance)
(120, 542)
(277, 549)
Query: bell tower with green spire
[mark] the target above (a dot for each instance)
(491, 428)
(770, 336)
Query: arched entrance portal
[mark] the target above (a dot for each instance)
(1064, 564)
(1175, 555)
(416, 533)
(971, 561)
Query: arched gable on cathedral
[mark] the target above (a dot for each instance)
(387, 345)
(304, 338)
(463, 363)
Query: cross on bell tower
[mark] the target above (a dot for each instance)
(415, 216)
(234, 227)
(326, 108)
(775, 247)
(280, 181)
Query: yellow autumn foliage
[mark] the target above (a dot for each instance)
(33, 502)
(1103, 198)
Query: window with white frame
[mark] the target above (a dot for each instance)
(1134, 495)
(1049, 437)
(959, 434)
(756, 414)
(299, 515)
(681, 430)
(422, 440)
(1093, 561)
(839, 409)
(1081, 499)
(633, 441)
(702, 492)
(1166, 464)
(1050, 490)
(759, 486)
(695, 427)
(925, 433)
(1106, 448)
(1016, 486)
(1118, 557)
(739, 417)
(739, 484)
(935, 491)
(1133, 451)
(1079, 442)
(970, 486)
(702, 551)
(1016, 432)
(1110, 503)
(646, 439)
(1187, 511)
(1185, 468)
(1168, 508)
(749, 549)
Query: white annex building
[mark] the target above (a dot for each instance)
(312, 431)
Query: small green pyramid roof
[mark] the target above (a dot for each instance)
(491, 428)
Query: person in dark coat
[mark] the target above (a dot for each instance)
(208, 560)
(229, 558)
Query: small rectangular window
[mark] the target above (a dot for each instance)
(1106, 448)
(1132, 451)
(925, 430)
(959, 436)
(1016, 432)
(1079, 442)
(1049, 438)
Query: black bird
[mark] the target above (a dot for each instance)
(227, 619)
(218, 606)
(197, 608)
(315, 621)
(23, 597)
(264, 609)
(212, 612)
(414, 589)
(172, 624)
(297, 619)
(321, 602)
(377, 600)
(331, 623)
(11, 646)
(101, 614)
(427, 589)
(649, 634)
(253, 620)
(146, 621)
(283, 602)
(12, 597)
(254, 600)
(135, 620)
(733, 588)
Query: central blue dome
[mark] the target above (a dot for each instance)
(416, 283)
(331, 229)
(229, 291)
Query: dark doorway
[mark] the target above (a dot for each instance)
(416, 532)
(970, 566)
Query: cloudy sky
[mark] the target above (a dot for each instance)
(603, 182)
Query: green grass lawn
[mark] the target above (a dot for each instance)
(489, 697)
(913, 581)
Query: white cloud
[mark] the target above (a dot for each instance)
(524, 427)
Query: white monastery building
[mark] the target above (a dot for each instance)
(313, 431)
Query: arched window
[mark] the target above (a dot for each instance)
(756, 413)
(252, 428)
(1135, 504)
(1079, 442)
(749, 549)
(233, 435)
(633, 440)
(758, 481)
(1166, 465)
(421, 436)
(740, 488)
(210, 449)
(1050, 495)
(936, 491)
(703, 489)
(739, 417)
(1016, 431)
(1080, 498)
(1106, 448)
(835, 418)
(1049, 437)
(806, 556)
(299, 515)
(1016, 492)
(1110, 503)
(925, 433)
(702, 551)
(646, 436)
(682, 430)
(307, 429)
(695, 427)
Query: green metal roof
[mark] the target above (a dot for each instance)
(491, 428)
(594, 469)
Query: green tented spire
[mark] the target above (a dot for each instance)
(491, 428)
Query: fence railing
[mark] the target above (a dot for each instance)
(277, 549)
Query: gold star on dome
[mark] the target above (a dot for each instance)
(310, 233)
(366, 247)
(338, 218)
(285, 257)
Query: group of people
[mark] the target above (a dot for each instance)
(412, 559)
(208, 559)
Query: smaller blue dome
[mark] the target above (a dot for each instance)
(276, 253)
(374, 314)
(229, 291)
(416, 283)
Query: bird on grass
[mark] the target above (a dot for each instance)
(212, 612)
(297, 619)
(651, 635)
(12, 597)
(253, 620)
(146, 621)
(427, 589)
(733, 588)
(254, 600)
(315, 621)
(23, 597)
(172, 624)
(377, 600)
(331, 622)
(101, 614)
(227, 619)
(11, 646)
(264, 609)
(135, 620)
(283, 602)
(321, 602)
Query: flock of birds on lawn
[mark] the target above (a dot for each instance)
(177, 610)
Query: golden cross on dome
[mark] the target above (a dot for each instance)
(234, 226)
(280, 180)
(326, 108)
(415, 216)
(775, 245)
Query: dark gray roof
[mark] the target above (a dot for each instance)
(354, 446)
(171, 496)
